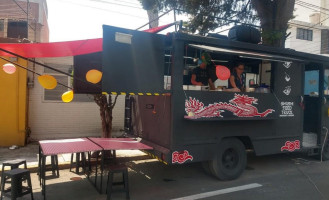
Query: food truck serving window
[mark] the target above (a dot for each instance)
(209, 68)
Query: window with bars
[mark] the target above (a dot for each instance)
(56, 93)
(304, 34)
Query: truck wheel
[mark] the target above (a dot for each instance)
(230, 161)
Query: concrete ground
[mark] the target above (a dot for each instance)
(282, 176)
(69, 185)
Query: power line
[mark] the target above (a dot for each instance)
(118, 4)
(302, 5)
(312, 5)
(107, 10)
(103, 9)
(26, 12)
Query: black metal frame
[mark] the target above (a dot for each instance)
(42, 171)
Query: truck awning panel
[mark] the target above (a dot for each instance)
(245, 54)
(133, 61)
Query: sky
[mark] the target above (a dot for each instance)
(83, 19)
(302, 13)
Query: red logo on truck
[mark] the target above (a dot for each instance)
(181, 157)
(240, 105)
(291, 145)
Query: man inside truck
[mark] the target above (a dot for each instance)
(201, 76)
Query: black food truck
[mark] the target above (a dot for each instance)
(283, 107)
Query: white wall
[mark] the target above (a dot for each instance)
(49, 120)
(313, 46)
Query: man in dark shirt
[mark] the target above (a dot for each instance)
(200, 76)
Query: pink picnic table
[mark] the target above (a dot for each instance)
(55, 147)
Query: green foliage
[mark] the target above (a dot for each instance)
(272, 37)
(150, 4)
(207, 15)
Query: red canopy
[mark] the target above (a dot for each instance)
(54, 49)
(60, 49)
(159, 28)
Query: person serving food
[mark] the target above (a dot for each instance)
(237, 79)
(200, 76)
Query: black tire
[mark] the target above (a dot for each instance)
(230, 161)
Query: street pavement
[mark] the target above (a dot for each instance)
(284, 176)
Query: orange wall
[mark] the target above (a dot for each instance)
(13, 105)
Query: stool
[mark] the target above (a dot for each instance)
(17, 189)
(120, 168)
(78, 163)
(53, 164)
(13, 164)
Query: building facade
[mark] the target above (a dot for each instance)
(308, 37)
(309, 31)
(28, 111)
(50, 118)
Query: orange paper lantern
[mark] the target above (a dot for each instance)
(9, 68)
(94, 76)
(222, 72)
(47, 81)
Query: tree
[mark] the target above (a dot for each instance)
(106, 112)
(152, 8)
(207, 15)
(274, 16)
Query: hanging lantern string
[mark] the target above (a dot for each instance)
(28, 59)
(21, 66)
(46, 66)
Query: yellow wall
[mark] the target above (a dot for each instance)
(13, 105)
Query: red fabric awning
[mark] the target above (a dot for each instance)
(159, 28)
(53, 49)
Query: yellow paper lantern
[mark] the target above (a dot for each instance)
(47, 81)
(94, 76)
(9, 68)
(67, 96)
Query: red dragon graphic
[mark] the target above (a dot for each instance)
(240, 105)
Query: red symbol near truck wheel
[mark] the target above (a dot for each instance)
(291, 146)
(240, 105)
(181, 157)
